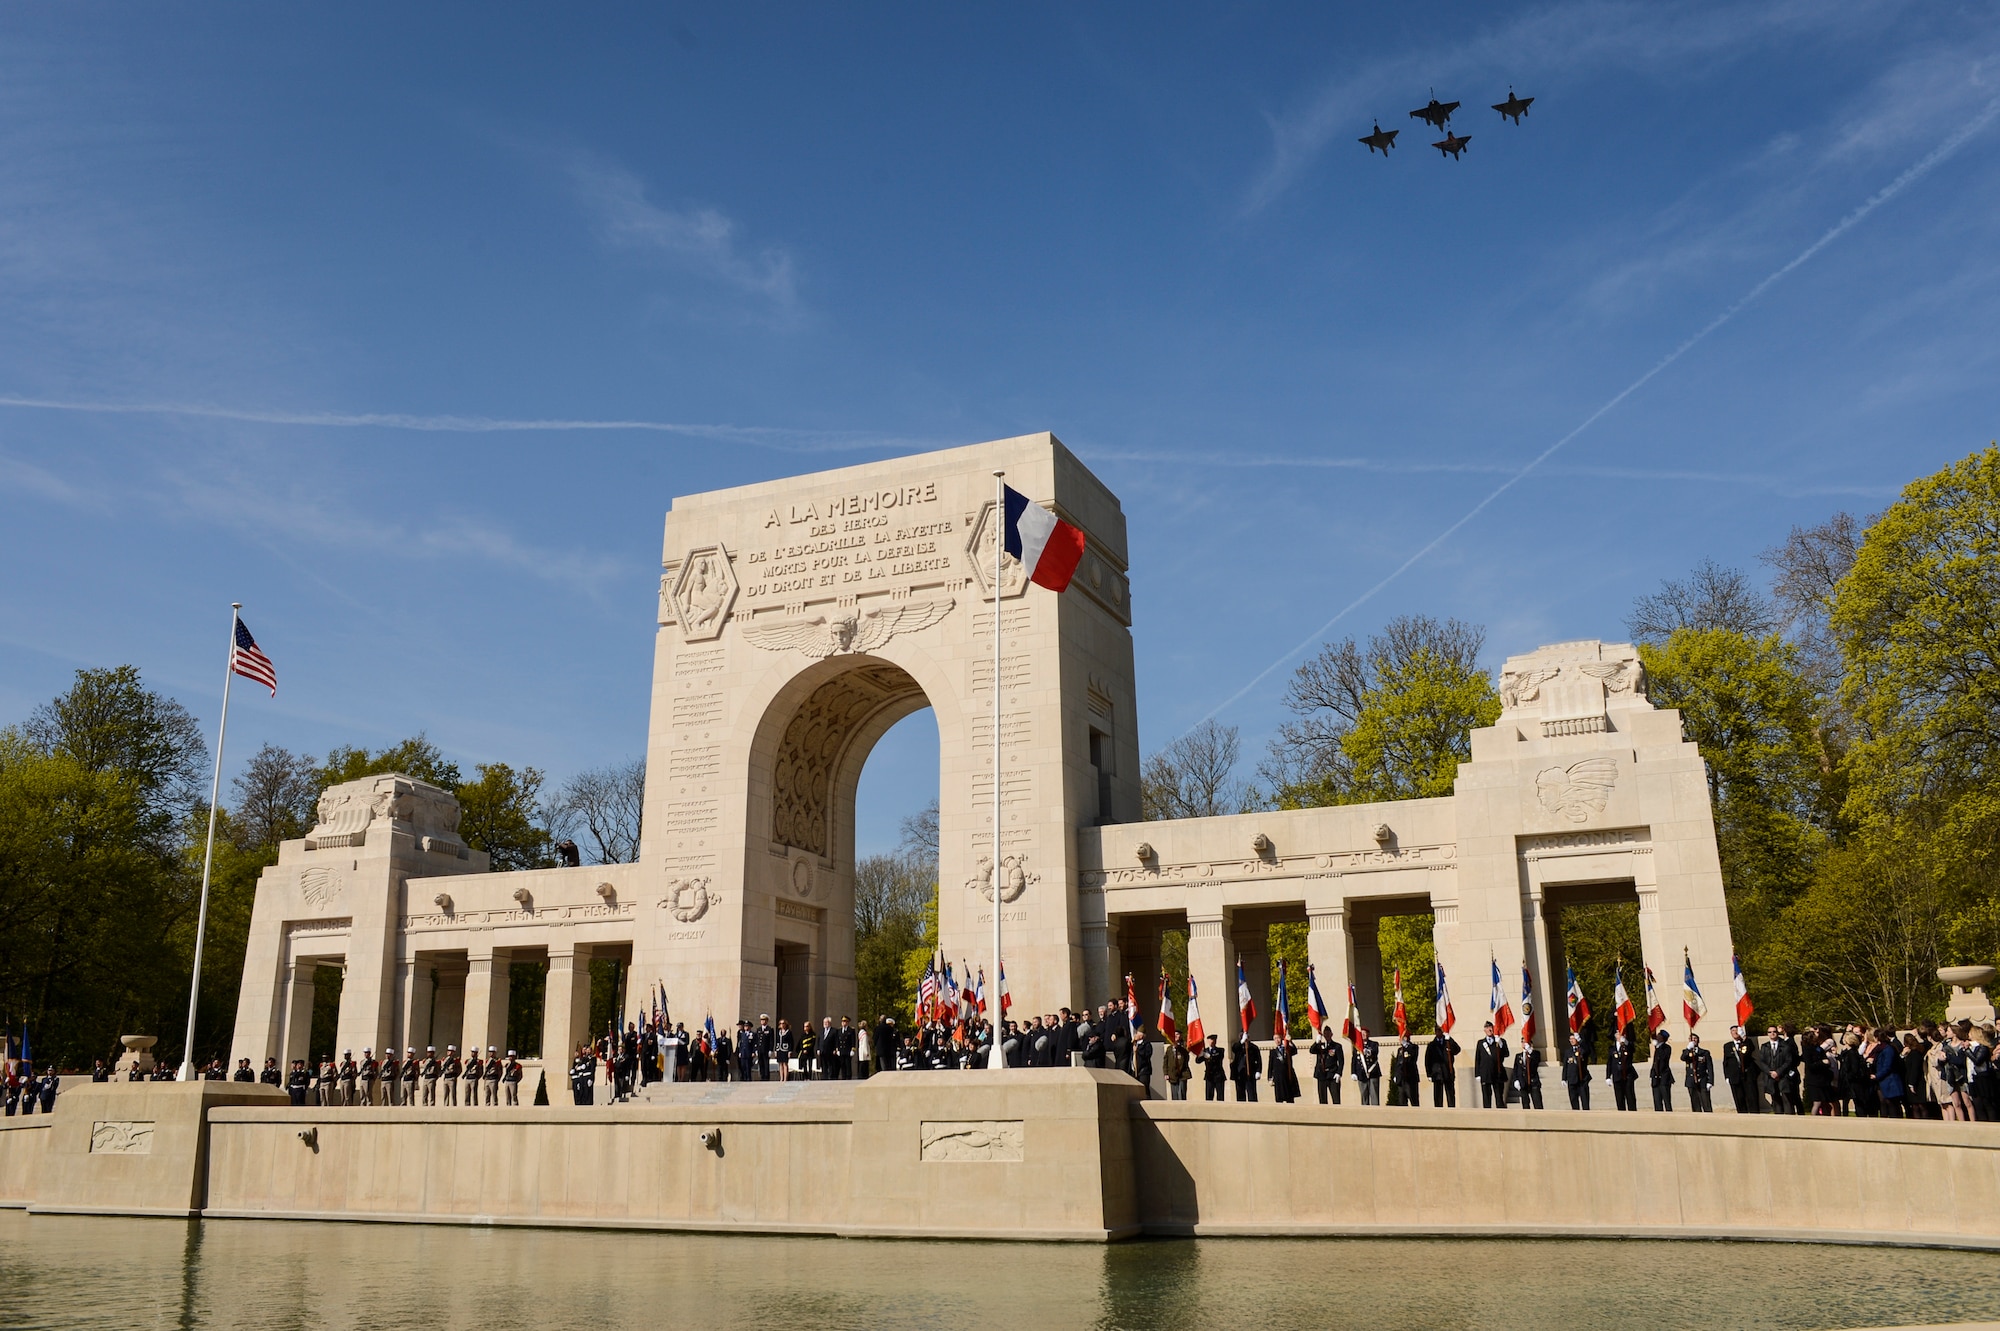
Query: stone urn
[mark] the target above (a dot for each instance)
(1968, 992)
(138, 1054)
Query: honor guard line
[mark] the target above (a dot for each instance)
(798, 620)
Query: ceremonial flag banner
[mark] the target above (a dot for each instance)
(1195, 1033)
(1446, 1018)
(979, 993)
(1165, 1021)
(1744, 1007)
(1402, 1015)
(927, 989)
(1656, 1016)
(1047, 547)
(1315, 1005)
(246, 660)
(1006, 999)
(1131, 1001)
(1246, 1007)
(1579, 1009)
(1621, 1002)
(1281, 1008)
(1352, 1021)
(1503, 1014)
(1693, 1006)
(1527, 1006)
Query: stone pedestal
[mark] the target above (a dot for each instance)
(1968, 992)
(138, 1148)
(1030, 1153)
(138, 1054)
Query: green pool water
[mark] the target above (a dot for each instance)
(124, 1275)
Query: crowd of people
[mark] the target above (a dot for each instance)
(1935, 1071)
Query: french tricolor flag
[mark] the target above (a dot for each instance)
(1047, 547)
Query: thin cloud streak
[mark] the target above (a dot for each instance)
(1920, 169)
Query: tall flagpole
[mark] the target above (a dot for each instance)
(208, 857)
(997, 1060)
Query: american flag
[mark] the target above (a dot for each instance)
(247, 661)
(927, 991)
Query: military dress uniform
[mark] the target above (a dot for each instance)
(1441, 1066)
(1527, 1076)
(371, 1076)
(1329, 1065)
(432, 1070)
(1700, 1079)
(272, 1075)
(350, 1072)
(298, 1084)
(448, 1074)
(1576, 1074)
(494, 1072)
(412, 1070)
(392, 1078)
(510, 1077)
(472, 1071)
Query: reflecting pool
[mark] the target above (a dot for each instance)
(124, 1275)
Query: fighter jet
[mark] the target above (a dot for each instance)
(1514, 107)
(1382, 139)
(1452, 144)
(1437, 114)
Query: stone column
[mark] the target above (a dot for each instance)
(488, 986)
(1653, 954)
(299, 1012)
(1253, 950)
(1328, 949)
(565, 1013)
(413, 994)
(448, 1006)
(1098, 962)
(1368, 974)
(1208, 964)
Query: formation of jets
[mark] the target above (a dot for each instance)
(1438, 116)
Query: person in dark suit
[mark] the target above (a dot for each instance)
(1576, 1073)
(1244, 1068)
(764, 1041)
(1489, 1064)
(1068, 1039)
(1142, 1060)
(847, 1040)
(1622, 1073)
(1329, 1062)
(1700, 1076)
(1278, 1072)
(271, 1075)
(1662, 1075)
(1404, 1067)
(1367, 1067)
(885, 1040)
(1526, 1077)
(1778, 1060)
(298, 1083)
(1441, 1066)
(1213, 1069)
(1739, 1069)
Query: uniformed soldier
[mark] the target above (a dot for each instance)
(350, 1072)
(371, 1076)
(1441, 1066)
(433, 1069)
(582, 1075)
(1329, 1064)
(510, 1077)
(392, 1077)
(243, 1071)
(298, 1084)
(448, 1072)
(1700, 1078)
(1366, 1068)
(326, 1085)
(412, 1069)
(1576, 1073)
(494, 1071)
(471, 1072)
(272, 1075)
(1214, 1064)
(1527, 1076)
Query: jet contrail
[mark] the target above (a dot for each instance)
(1840, 228)
(766, 436)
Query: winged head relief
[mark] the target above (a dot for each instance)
(1579, 790)
(854, 630)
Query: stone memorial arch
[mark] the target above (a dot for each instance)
(797, 621)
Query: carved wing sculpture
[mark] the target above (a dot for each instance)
(1525, 686)
(1618, 676)
(1579, 790)
(851, 632)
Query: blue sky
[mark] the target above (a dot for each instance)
(281, 290)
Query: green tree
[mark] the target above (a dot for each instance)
(1918, 621)
(109, 721)
(1385, 723)
(914, 962)
(1751, 710)
(416, 757)
(501, 815)
(1408, 941)
(891, 895)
